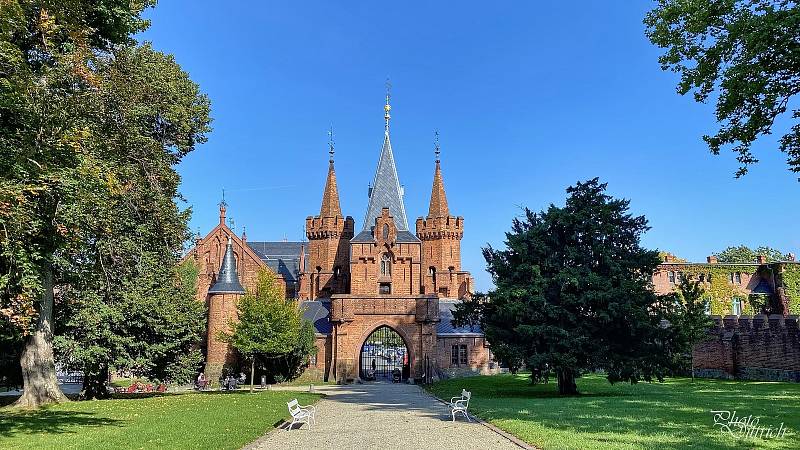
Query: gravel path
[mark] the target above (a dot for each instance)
(394, 416)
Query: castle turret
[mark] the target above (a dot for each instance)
(329, 234)
(441, 235)
(222, 299)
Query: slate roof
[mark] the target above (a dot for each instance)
(386, 191)
(227, 279)
(446, 327)
(281, 257)
(402, 236)
(762, 288)
(318, 312)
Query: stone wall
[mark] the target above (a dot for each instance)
(751, 347)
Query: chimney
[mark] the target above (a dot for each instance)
(762, 259)
(790, 257)
(712, 259)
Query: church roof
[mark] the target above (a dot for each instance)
(227, 279)
(386, 191)
(281, 257)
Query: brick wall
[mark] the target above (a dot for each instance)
(751, 347)
(478, 356)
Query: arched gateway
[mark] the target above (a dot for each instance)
(384, 356)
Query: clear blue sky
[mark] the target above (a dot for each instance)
(528, 99)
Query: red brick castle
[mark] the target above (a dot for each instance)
(380, 299)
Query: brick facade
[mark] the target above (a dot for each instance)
(383, 276)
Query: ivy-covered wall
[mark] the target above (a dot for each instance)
(720, 291)
(791, 285)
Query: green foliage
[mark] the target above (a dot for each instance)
(720, 291)
(151, 328)
(745, 51)
(744, 254)
(685, 310)
(791, 283)
(91, 127)
(573, 293)
(271, 330)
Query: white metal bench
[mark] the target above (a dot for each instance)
(460, 404)
(301, 414)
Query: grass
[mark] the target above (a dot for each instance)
(670, 415)
(197, 420)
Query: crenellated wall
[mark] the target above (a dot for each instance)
(751, 347)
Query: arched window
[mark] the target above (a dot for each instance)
(385, 231)
(386, 265)
(432, 271)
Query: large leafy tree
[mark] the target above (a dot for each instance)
(91, 125)
(149, 327)
(745, 254)
(747, 54)
(270, 329)
(573, 293)
(686, 313)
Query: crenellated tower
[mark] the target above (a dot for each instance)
(328, 269)
(441, 235)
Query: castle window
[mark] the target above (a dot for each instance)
(385, 288)
(336, 272)
(432, 271)
(458, 355)
(385, 231)
(738, 277)
(671, 277)
(386, 265)
(736, 307)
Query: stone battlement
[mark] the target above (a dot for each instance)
(324, 227)
(440, 227)
(751, 347)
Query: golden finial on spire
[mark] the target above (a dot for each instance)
(388, 107)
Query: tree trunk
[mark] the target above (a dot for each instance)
(252, 374)
(566, 382)
(38, 366)
(95, 383)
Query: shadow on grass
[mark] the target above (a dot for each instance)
(46, 421)
(671, 415)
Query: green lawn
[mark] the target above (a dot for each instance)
(670, 415)
(196, 420)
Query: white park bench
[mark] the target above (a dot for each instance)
(301, 414)
(460, 404)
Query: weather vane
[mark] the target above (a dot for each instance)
(223, 203)
(436, 148)
(330, 142)
(387, 107)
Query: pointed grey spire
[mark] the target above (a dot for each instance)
(227, 279)
(386, 191)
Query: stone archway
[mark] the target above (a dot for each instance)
(384, 356)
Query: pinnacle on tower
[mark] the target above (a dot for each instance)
(330, 197)
(438, 206)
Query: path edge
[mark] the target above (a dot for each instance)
(514, 440)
